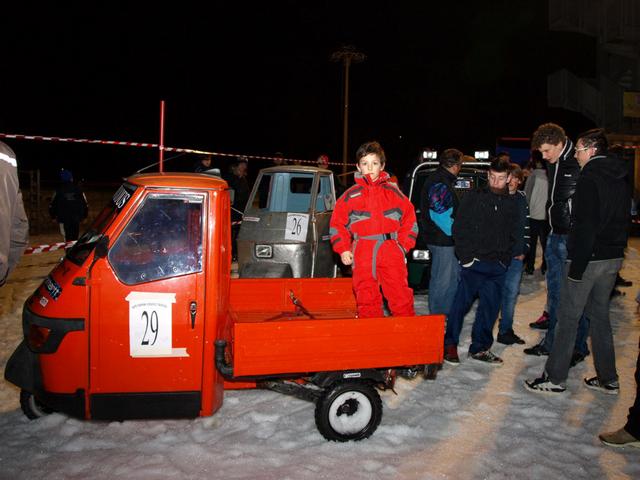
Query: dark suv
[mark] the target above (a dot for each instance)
(472, 175)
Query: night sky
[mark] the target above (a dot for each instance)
(255, 78)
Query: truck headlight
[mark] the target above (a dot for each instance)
(264, 251)
(421, 255)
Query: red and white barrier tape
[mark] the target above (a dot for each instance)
(48, 248)
(151, 145)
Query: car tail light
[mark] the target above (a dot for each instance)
(37, 336)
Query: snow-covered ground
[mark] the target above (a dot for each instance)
(474, 421)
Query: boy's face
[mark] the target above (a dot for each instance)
(370, 165)
(551, 153)
(498, 181)
(514, 183)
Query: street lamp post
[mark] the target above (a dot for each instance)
(347, 55)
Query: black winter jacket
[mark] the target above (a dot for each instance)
(486, 227)
(600, 219)
(69, 204)
(563, 177)
(429, 231)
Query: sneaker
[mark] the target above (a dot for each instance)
(611, 388)
(487, 356)
(451, 355)
(619, 438)
(543, 385)
(542, 323)
(509, 338)
(408, 373)
(537, 350)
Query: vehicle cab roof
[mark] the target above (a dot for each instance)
(178, 180)
(294, 169)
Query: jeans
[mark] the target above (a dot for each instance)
(556, 257)
(591, 296)
(486, 280)
(510, 294)
(445, 271)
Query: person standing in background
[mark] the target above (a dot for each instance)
(68, 206)
(14, 226)
(237, 180)
(438, 207)
(512, 278)
(537, 191)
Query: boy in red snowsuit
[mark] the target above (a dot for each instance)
(372, 227)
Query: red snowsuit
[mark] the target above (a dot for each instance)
(377, 223)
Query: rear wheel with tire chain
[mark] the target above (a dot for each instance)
(348, 411)
(31, 407)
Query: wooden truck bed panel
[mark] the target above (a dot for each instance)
(271, 336)
(297, 346)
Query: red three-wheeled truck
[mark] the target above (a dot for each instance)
(141, 319)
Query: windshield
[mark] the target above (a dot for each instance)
(85, 244)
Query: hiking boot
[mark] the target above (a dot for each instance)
(542, 323)
(619, 438)
(537, 350)
(611, 388)
(543, 385)
(487, 356)
(509, 338)
(451, 355)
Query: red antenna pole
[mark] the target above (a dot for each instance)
(161, 146)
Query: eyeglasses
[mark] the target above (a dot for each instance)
(582, 149)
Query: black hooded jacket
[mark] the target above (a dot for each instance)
(601, 214)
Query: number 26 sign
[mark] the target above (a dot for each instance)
(297, 225)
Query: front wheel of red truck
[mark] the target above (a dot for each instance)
(31, 407)
(348, 411)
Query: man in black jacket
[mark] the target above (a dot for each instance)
(68, 206)
(484, 233)
(563, 171)
(438, 206)
(596, 243)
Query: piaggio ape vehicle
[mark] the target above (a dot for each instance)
(142, 319)
(285, 228)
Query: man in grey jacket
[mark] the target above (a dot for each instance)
(14, 227)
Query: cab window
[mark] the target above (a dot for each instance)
(162, 240)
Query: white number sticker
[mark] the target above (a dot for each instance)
(297, 224)
(150, 323)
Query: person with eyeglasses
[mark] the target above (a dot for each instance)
(595, 251)
(562, 172)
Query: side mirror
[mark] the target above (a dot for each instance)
(102, 247)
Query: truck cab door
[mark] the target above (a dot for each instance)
(147, 312)
(323, 202)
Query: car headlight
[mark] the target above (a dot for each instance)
(421, 255)
(264, 251)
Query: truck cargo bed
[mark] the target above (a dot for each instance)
(271, 335)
